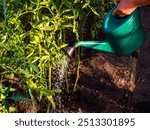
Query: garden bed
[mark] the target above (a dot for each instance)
(105, 85)
(93, 82)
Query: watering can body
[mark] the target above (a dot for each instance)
(122, 35)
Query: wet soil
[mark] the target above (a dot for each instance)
(105, 83)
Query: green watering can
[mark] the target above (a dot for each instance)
(123, 35)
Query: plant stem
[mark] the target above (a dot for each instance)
(78, 72)
(5, 19)
(49, 75)
(33, 102)
(48, 107)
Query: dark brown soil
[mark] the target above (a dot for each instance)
(107, 83)
(141, 97)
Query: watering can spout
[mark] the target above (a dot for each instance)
(97, 45)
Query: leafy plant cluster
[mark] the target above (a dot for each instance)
(5, 96)
(32, 35)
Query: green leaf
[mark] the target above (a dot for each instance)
(17, 63)
(7, 91)
(1, 87)
(76, 1)
(68, 3)
(12, 109)
(57, 3)
(34, 68)
(47, 28)
(94, 11)
(17, 97)
(9, 76)
(50, 98)
(63, 46)
(5, 104)
(85, 5)
(6, 60)
(47, 92)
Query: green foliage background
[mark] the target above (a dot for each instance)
(33, 33)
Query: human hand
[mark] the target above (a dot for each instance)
(125, 7)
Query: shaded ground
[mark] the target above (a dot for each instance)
(141, 96)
